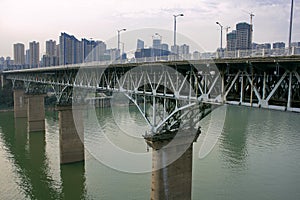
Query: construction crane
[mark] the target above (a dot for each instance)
(251, 25)
(251, 16)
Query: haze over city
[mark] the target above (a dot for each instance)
(41, 20)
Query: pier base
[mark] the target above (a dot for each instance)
(173, 181)
(20, 104)
(70, 136)
(36, 113)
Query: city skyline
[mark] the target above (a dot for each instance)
(100, 20)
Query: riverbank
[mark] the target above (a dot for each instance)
(7, 110)
(11, 109)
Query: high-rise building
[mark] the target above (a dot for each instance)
(93, 50)
(87, 47)
(278, 45)
(57, 50)
(295, 44)
(99, 51)
(165, 47)
(196, 55)
(51, 58)
(27, 57)
(112, 54)
(231, 41)
(19, 54)
(34, 52)
(156, 42)
(2, 60)
(243, 36)
(184, 49)
(48, 61)
(140, 44)
(175, 49)
(263, 46)
(51, 48)
(70, 50)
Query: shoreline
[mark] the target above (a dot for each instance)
(12, 110)
(7, 110)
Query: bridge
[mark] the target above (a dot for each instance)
(172, 96)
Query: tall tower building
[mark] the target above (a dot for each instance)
(19, 54)
(156, 42)
(231, 41)
(27, 57)
(140, 44)
(34, 53)
(92, 50)
(50, 48)
(165, 47)
(70, 50)
(184, 49)
(243, 36)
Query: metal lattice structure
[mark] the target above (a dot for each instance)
(170, 93)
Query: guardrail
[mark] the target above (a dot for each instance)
(257, 53)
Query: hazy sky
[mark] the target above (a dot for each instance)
(40, 20)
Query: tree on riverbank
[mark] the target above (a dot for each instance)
(7, 101)
(6, 97)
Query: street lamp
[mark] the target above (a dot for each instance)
(291, 26)
(124, 29)
(175, 16)
(221, 34)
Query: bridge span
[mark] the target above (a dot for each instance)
(172, 97)
(267, 82)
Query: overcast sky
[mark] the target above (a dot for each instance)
(40, 20)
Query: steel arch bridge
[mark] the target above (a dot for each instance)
(170, 93)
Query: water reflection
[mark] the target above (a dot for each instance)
(30, 159)
(37, 168)
(234, 139)
(73, 181)
(257, 157)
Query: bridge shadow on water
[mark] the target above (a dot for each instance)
(234, 139)
(31, 161)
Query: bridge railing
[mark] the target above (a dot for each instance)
(215, 55)
(257, 53)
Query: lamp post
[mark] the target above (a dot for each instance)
(291, 26)
(124, 29)
(221, 46)
(175, 16)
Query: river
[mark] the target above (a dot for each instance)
(256, 157)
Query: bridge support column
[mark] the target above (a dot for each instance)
(70, 136)
(20, 104)
(175, 180)
(36, 113)
(242, 89)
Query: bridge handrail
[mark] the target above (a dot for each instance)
(239, 54)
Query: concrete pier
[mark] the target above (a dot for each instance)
(36, 113)
(20, 104)
(70, 136)
(175, 180)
